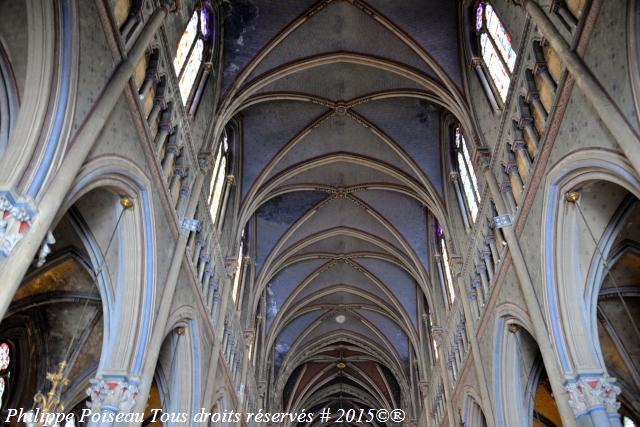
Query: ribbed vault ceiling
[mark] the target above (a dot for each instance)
(340, 105)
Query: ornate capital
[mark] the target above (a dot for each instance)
(456, 264)
(16, 216)
(172, 148)
(115, 394)
(205, 161)
(586, 393)
(482, 157)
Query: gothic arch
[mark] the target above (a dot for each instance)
(568, 291)
(133, 279)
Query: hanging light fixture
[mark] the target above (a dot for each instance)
(48, 409)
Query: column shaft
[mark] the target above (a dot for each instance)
(533, 307)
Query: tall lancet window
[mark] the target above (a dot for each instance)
(194, 51)
(495, 47)
(466, 175)
(237, 278)
(219, 179)
(5, 371)
(444, 265)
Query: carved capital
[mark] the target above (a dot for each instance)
(16, 216)
(456, 263)
(114, 394)
(205, 161)
(586, 393)
(482, 157)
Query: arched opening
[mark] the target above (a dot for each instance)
(609, 213)
(523, 391)
(57, 314)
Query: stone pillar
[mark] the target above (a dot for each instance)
(176, 183)
(151, 76)
(517, 186)
(540, 331)
(165, 129)
(521, 154)
(476, 63)
(507, 193)
(171, 152)
(159, 103)
(540, 68)
(438, 333)
(454, 178)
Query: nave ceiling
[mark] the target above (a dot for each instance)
(341, 107)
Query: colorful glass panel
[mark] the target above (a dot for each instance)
(219, 176)
(500, 37)
(479, 16)
(185, 44)
(5, 356)
(468, 177)
(1, 390)
(205, 22)
(497, 71)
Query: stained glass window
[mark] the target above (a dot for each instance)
(495, 47)
(467, 175)
(218, 179)
(5, 362)
(191, 51)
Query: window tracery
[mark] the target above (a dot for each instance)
(466, 175)
(496, 49)
(193, 52)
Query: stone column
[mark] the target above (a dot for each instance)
(517, 186)
(475, 349)
(542, 334)
(171, 281)
(159, 102)
(438, 333)
(171, 152)
(454, 178)
(540, 68)
(476, 63)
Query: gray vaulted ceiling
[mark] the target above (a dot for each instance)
(340, 105)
